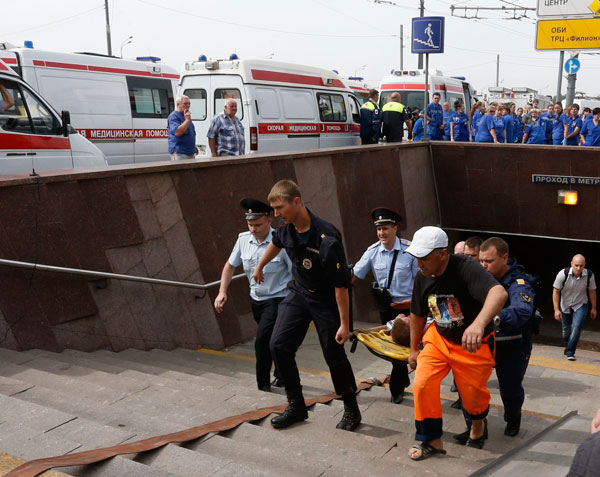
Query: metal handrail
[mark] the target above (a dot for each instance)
(117, 276)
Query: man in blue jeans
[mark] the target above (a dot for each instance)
(574, 293)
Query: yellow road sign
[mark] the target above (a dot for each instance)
(572, 34)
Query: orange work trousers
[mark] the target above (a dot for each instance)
(471, 373)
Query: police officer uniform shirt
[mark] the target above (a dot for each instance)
(379, 259)
(247, 251)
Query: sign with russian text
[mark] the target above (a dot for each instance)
(565, 180)
(572, 34)
(568, 8)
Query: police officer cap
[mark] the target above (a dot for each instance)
(385, 216)
(255, 209)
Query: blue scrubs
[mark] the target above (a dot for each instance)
(519, 126)
(536, 132)
(447, 120)
(487, 123)
(500, 129)
(475, 123)
(591, 133)
(509, 126)
(558, 129)
(418, 131)
(573, 124)
(461, 126)
(436, 117)
(548, 121)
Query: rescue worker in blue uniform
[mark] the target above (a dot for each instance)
(370, 119)
(460, 128)
(514, 327)
(318, 293)
(574, 125)
(385, 259)
(418, 129)
(548, 118)
(435, 119)
(394, 116)
(535, 129)
(509, 124)
(265, 297)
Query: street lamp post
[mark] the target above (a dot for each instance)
(126, 42)
(360, 68)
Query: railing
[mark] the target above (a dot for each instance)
(116, 276)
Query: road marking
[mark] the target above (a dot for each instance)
(564, 365)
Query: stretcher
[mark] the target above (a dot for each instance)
(379, 342)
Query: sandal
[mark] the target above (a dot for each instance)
(427, 450)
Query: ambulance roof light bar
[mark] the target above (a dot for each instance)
(154, 59)
(28, 44)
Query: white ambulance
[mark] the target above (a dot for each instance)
(33, 137)
(120, 105)
(358, 87)
(411, 86)
(282, 106)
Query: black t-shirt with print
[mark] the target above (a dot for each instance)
(455, 297)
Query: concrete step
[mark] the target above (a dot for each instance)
(28, 444)
(116, 467)
(550, 454)
(255, 457)
(181, 461)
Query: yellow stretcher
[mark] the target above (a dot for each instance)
(380, 343)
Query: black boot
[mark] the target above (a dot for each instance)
(351, 418)
(512, 427)
(295, 411)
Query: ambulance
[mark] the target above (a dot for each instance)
(120, 105)
(33, 136)
(521, 96)
(282, 106)
(411, 86)
(358, 87)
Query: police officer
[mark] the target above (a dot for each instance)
(266, 296)
(394, 271)
(514, 326)
(394, 116)
(318, 293)
(370, 119)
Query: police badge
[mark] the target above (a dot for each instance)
(306, 263)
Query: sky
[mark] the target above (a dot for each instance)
(355, 37)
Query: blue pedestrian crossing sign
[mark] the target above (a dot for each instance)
(572, 65)
(427, 35)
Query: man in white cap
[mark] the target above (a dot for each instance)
(463, 299)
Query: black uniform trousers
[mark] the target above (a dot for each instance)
(512, 358)
(399, 379)
(265, 315)
(296, 311)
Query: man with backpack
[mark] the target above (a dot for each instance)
(574, 293)
(514, 326)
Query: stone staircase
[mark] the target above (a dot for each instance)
(59, 403)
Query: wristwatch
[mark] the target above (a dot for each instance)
(497, 322)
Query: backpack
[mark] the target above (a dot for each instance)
(536, 284)
(590, 274)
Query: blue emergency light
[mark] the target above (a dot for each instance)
(28, 44)
(233, 56)
(356, 78)
(148, 58)
(202, 58)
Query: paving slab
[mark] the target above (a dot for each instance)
(182, 461)
(116, 467)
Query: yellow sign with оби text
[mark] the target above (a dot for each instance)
(572, 34)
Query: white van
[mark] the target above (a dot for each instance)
(120, 105)
(32, 135)
(283, 106)
(411, 86)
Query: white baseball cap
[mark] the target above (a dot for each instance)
(426, 240)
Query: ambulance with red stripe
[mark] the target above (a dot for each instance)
(359, 88)
(120, 105)
(283, 106)
(33, 137)
(411, 86)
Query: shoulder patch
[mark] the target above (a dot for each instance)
(520, 281)
(525, 297)
(372, 246)
(243, 234)
(405, 242)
